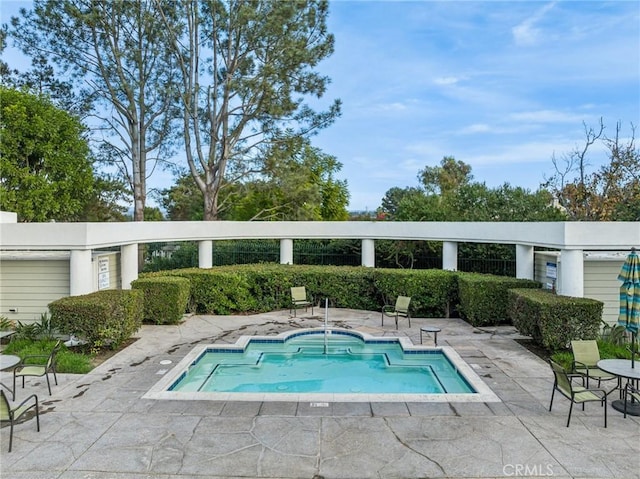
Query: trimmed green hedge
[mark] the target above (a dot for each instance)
(103, 318)
(432, 291)
(265, 287)
(553, 320)
(165, 298)
(483, 297)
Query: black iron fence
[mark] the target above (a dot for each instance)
(162, 256)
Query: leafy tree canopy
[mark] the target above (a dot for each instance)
(44, 159)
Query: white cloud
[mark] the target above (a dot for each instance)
(476, 128)
(445, 81)
(547, 116)
(529, 152)
(526, 33)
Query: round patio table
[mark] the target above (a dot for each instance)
(622, 369)
(430, 329)
(8, 361)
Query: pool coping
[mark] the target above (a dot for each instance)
(160, 390)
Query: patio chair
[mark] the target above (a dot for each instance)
(399, 310)
(576, 394)
(585, 359)
(630, 394)
(7, 413)
(299, 299)
(28, 368)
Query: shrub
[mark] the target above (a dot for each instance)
(265, 287)
(432, 291)
(103, 318)
(553, 320)
(483, 298)
(165, 298)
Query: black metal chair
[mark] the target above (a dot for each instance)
(13, 414)
(27, 368)
(576, 394)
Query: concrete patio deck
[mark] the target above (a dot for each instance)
(98, 426)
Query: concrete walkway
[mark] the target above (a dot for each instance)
(97, 426)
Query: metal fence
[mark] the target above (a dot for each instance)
(162, 256)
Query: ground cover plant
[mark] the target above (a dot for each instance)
(67, 360)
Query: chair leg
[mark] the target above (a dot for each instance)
(552, 393)
(48, 384)
(37, 414)
(570, 409)
(409, 318)
(54, 375)
(10, 435)
(604, 403)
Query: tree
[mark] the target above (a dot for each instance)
(446, 178)
(258, 56)
(44, 160)
(300, 185)
(612, 192)
(117, 49)
(107, 201)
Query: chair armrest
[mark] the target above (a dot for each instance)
(23, 361)
(575, 364)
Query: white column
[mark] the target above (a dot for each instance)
(571, 273)
(368, 253)
(80, 272)
(205, 254)
(286, 251)
(450, 255)
(524, 261)
(128, 264)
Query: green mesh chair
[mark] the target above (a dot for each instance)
(11, 415)
(399, 310)
(299, 299)
(27, 367)
(585, 359)
(576, 394)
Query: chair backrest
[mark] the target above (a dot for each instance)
(586, 351)
(298, 293)
(563, 383)
(402, 304)
(5, 408)
(54, 351)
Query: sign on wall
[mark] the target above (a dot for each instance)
(103, 273)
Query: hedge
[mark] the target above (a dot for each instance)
(266, 287)
(165, 298)
(552, 320)
(104, 318)
(483, 297)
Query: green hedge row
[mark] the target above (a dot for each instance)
(553, 320)
(103, 319)
(266, 287)
(483, 298)
(165, 298)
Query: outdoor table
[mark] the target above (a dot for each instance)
(8, 361)
(430, 329)
(622, 369)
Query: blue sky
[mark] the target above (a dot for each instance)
(501, 86)
(498, 85)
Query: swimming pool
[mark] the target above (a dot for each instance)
(342, 365)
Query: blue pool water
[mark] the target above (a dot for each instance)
(299, 365)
